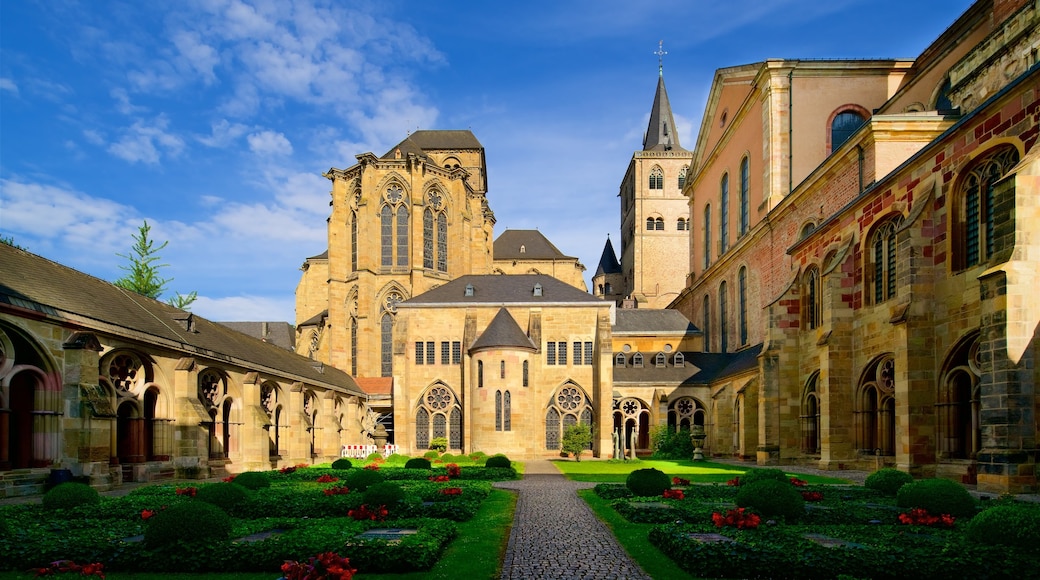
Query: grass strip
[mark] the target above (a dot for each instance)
(602, 471)
(634, 538)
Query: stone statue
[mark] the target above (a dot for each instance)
(617, 444)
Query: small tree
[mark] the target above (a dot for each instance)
(143, 272)
(576, 439)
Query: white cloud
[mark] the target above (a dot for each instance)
(7, 84)
(93, 137)
(143, 142)
(245, 308)
(223, 133)
(123, 104)
(196, 54)
(269, 143)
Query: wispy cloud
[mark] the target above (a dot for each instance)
(146, 141)
(269, 143)
(8, 85)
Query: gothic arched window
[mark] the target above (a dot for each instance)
(656, 178)
(974, 223)
(724, 214)
(745, 202)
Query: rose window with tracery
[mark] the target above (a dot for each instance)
(435, 199)
(267, 398)
(391, 301)
(210, 387)
(394, 194)
(886, 375)
(122, 371)
(438, 398)
(569, 399)
(685, 407)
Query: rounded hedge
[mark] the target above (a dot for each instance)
(498, 461)
(764, 474)
(69, 495)
(417, 463)
(648, 482)
(342, 463)
(362, 479)
(431, 454)
(772, 498)
(387, 494)
(226, 496)
(938, 496)
(252, 480)
(1017, 526)
(478, 456)
(192, 521)
(887, 480)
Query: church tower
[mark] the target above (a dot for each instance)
(401, 224)
(655, 221)
(607, 281)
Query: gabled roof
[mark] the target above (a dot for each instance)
(608, 262)
(503, 332)
(279, 333)
(34, 286)
(420, 142)
(699, 368)
(526, 245)
(499, 289)
(651, 321)
(661, 134)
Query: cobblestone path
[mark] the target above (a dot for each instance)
(556, 535)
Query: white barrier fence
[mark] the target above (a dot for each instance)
(363, 451)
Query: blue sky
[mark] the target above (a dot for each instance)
(214, 119)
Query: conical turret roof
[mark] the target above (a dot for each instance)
(661, 134)
(608, 262)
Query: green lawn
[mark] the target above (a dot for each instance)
(696, 471)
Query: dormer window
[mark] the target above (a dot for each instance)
(660, 360)
(523, 249)
(537, 289)
(469, 290)
(680, 360)
(637, 360)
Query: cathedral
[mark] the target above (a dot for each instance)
(837, 273)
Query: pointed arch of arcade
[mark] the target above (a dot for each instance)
(144, 423)
(569, 405)
(30, 403)
(312, 413)
(632, 420)
(271, 401)
(875, 407)
(957, 400)
(438, 413)
(216, 395)
(685, 412)
(810, 415)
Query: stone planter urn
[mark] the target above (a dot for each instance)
(698, 435)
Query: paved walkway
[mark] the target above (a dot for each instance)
(556, 535)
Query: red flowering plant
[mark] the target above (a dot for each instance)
(798, 482)
(812, 496)
(680, 481)
(228, 479)
(439, 478)
(301, 465)
(338, 490)
(372, 467)
(736, 518)
(187, 491)
(366, 513)
(673, 494)
(324, 566)
(453, 470)
(921, 517)
(145, 514)
(60, 566)
(735, 482)
(286, 470)
(327, 479)
(451, 491)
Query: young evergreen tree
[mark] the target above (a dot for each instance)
(143, 270)
(576, 439)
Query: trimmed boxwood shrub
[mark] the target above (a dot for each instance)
(938, 496)
(763, 474)
(226, 496)
(772, 498)
(431, 454)
(69, 495)
(648, 482)
(1012, 525)
(342, 463)
(498, 461)
(887, 480)
(191, 522)
(387, 494)
(252, 480)
(362, 479)
(418, 463)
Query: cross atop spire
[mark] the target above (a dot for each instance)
(660, 52)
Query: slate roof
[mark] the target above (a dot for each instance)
(608, 262)
(280, 333)
(661, 134)
(316, 319)
(421, 141)
(651, 321)
(700, 368)
(503, 332)
(536, 246)
(33, 286)
(499, 289)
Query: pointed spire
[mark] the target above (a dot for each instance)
(661, 134)
(608, 262)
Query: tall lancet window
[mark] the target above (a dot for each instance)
(393, 226)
